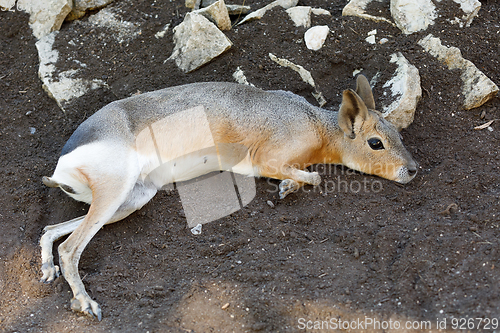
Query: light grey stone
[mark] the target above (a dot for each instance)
(197, 41)
(45, 15)
(7, 4)
(217, 13)
(300, 15)
(65, 86)
(237, 9)
(477, 88)
(411, 16)
(315, 37)
(470, 8)
(260, 12)
(321, 11)
(193, 4)
(240, 77)
(162, 32)
(305, 75)
(406, 91)
(358, 8)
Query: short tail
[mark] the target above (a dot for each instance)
(47, 181)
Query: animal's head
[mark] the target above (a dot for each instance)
(372, 144)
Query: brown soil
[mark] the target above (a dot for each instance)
(425, 251)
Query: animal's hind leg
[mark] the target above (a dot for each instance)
(51, 234)
(140, 195)
(109, 205)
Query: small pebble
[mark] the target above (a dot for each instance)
(270, 203)
(196, 230)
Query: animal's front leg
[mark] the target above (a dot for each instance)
(305, 177)
(298, 178)
(292, 178)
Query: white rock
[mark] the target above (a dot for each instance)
(194, 4)
(217, 13)
(237, 9)
(477, 88)
(405, 88)
(315, 37)
(470, 9)
(300, 15)
(64, 86)
(411, 16)
(321, 11)
(240, 77)
(80, 7)
(197, 41)
(7, 4)
(305, 75)
(196, 230)
(260, 12)
(371, 39)
(162, 32)
(357, 71)
(357, 8)
(45, 15)
(383, 40)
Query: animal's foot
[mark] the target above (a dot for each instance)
(315, 179)
(83, 303)
(50, 272)
(287, 186)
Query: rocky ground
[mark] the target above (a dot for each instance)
(423, 252)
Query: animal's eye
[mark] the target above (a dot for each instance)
(375, 144)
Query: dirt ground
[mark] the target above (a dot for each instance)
(423, 252)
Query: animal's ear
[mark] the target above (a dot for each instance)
(352, 114)
(364, 91)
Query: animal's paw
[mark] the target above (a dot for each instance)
(83, 303)
(287, 186)
(315, 179)
(50, 272)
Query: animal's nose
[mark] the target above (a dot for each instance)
(412, 171)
